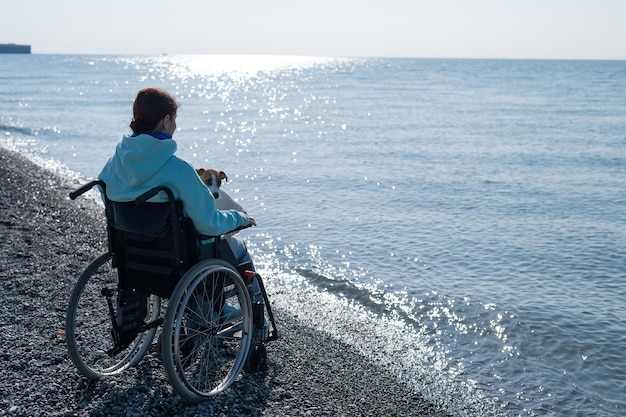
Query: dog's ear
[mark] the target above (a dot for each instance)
(223, 176)
(200, 171)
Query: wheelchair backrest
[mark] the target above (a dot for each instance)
(152, 244)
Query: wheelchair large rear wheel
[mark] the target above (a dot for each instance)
(207, 330)
(88, 324)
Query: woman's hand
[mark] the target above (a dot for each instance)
(252, 222)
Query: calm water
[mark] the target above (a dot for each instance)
(461, 222)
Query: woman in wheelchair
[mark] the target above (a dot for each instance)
(218, 315)
(146, 159)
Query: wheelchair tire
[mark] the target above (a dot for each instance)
(207, 330)
(88, 324)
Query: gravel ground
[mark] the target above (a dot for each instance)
(47, 240)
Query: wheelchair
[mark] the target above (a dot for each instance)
(215, 315)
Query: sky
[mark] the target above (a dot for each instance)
(517, 29)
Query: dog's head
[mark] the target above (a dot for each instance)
(212, 179)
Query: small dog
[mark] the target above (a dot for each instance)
(213, 179)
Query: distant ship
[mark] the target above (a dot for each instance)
(11, 48)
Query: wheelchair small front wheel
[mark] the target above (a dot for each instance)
(88, 324)
(207, 330)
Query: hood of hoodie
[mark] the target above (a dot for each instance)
(137, 158)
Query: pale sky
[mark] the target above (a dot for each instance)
(538, 29)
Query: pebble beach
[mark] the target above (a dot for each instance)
(47, 241)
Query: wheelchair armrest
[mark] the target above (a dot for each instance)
(207, 237)
(82, 190)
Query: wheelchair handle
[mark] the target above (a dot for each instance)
(82, 190)
(142, 198)
(152, 192)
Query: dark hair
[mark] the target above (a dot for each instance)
(151, 105)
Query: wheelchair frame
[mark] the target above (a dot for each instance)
(211, 329)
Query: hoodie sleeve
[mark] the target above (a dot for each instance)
(199, 203)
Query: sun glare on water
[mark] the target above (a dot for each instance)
(233, 66)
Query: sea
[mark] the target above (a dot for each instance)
(459, 222)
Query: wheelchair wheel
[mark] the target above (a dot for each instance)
(88, 324)
(207, 330)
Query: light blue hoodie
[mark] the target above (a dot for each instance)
(143, 162)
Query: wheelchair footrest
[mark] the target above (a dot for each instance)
(122, 341)
(152, 324)
(274, 335)
(126, 317)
